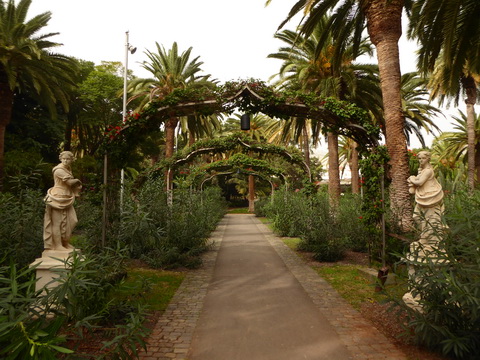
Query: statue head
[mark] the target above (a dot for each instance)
(426, 154)
(66, 155)
(66, 158)
(424, 159)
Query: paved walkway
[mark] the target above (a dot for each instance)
(255, 299)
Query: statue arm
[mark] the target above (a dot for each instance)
(67, 178)
(421, 178)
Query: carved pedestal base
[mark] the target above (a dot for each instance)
(421, 255)
(51, 259)
(413, 302)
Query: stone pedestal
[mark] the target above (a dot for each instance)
(51, 259)
(420, 255)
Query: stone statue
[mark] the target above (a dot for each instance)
(428, 216)
(60, 217)
(429, 206)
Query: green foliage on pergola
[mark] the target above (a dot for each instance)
(244, 148)
(238, 163)
(250, 96)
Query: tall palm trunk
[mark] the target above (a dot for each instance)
(251, 193)
(170, 127)
(333, 169)
(384, 24)
(354, 169)
(6, 105)
(469, 85)
(306, 146)
(191, 138)
(477, 160)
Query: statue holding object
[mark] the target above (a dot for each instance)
(429, 206)
(60, 217)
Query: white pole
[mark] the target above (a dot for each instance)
(124, 111)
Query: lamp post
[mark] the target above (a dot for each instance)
(128, 49)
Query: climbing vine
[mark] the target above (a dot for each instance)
(249, 96)
(374, 168)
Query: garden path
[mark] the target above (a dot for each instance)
(255, 299)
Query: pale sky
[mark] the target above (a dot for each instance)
(232, 38)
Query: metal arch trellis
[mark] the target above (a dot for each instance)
(266, 178)
(249, 96)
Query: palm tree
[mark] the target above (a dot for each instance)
(27, 64)
(170, 71)
(418, 111)
(317, 70)
(293, 131)
(382, 19)
(449, 37)
(348, 154)
(455, 142)
(198, 126)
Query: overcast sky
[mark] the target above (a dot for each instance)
(232, 38)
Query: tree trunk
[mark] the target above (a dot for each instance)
(306, 146)
(477, 160)
(333, 169)
(68, 131)
(354, 170)
(170, 127)
(6, 105)
(251, 193)
(469, 85)
(191, 138)
(384, 24)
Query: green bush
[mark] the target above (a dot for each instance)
(349, 225)
(168, 236)
(80, 301)
(25, 331)
(288, 213)
(450, 293)
(261, 207)
(21, 226)
(324, 231)
(320, 235)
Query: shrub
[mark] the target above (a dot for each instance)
(168, 236)
(288, 212)
(261, 207)
(21, 226)
(349, 225)
(25, 331)
(450, 293)
(324, 231)
(320, 234)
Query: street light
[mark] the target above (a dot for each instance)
(245, 122)
(128, 49)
